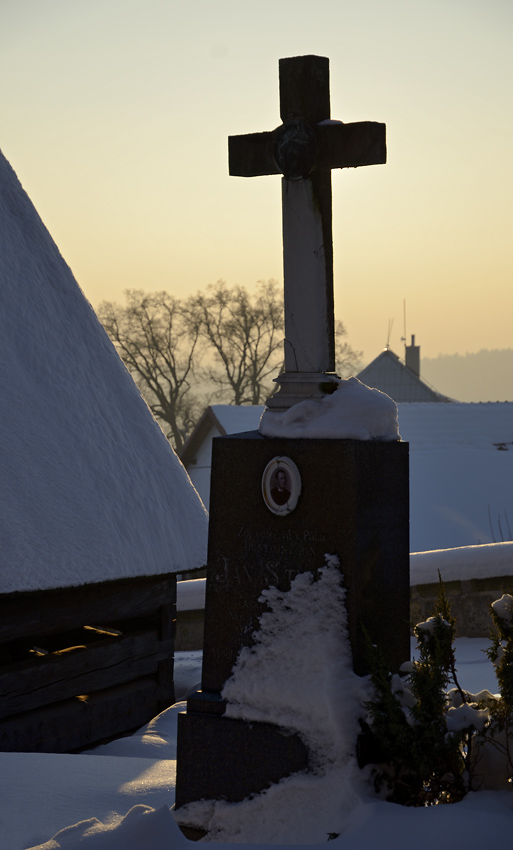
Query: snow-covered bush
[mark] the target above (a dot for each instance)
(499, 731)
(435, 743)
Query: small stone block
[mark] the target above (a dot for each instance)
(205, 702)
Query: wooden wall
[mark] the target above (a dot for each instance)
(81, 665)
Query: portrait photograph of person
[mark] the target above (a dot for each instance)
(280, 493)
(281, 485)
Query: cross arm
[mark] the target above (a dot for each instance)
(337, 146)
(350, 145)
(251, 155)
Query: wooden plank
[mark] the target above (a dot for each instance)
(103, 664)
(51, 611)
(74, 724)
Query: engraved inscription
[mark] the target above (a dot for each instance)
(224, 576)
(267, 557)
(287, 536)
(297, 544)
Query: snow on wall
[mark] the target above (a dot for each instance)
(90, 489)
(490, 560)
(190, 594)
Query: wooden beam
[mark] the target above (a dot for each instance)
(351, 145)
(53, 678)
(251, 155)
(74, 724)
(24, 615)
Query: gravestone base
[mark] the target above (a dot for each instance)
(353, 503)
(224, 758)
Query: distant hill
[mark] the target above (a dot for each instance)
(481, 376)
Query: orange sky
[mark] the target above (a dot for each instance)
(115, 116)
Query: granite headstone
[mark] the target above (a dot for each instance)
(279, 505)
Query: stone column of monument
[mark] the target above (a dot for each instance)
(350, 497)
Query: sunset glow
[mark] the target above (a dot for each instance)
(115, 116)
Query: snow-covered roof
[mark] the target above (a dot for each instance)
(388, 374)
(478, 425)
(235, 419)
(461, 469)
(90, 489)
(223, 419)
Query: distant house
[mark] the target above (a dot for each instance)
(461, 467)
(401, 381)
(216, 421)
(97, 514)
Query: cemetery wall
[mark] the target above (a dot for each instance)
(189, 630)
(470, 600)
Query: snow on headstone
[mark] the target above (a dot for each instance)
(90, 489)
(352, 412)
(300, 677)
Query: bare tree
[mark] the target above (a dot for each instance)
(245, 334)
(348, 360)
(164, 340)
(158, 345)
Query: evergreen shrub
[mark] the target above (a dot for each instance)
(429, 732)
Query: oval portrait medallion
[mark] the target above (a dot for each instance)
(281, 485)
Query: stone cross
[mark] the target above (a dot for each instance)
(304, 149)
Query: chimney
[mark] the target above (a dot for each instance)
(412, 356)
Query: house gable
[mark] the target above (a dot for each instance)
(388, 374)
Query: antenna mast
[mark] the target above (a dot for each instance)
(390, 326)
(403, 338)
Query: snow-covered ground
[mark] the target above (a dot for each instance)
(119, 797)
